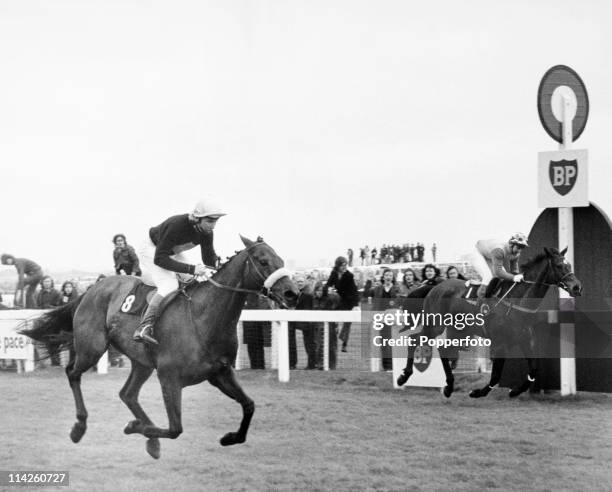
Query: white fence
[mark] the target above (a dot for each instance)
(18, 347)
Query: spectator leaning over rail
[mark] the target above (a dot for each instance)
(304, 302)
(431, 275)
(344, 283)
(126, 259)
(383, 300)
(257, 334)
(410, 282)
(452, 272)
(49, 298)
(29, 276)
(321, 302)
(68, 293)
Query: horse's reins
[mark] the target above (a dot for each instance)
(560, 284)
(268, 281)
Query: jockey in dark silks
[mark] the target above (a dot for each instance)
(29, 276)
(161, 256)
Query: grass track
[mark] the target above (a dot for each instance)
(322, 431)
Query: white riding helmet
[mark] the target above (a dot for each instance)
(207, 207)
(520, 239)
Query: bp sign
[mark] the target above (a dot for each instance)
(562, 82)
(563, 178)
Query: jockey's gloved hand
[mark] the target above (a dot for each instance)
(518, 278)
(203, 271)
(200, 270)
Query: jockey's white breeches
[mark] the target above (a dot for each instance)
(481, 266)
(165, 280)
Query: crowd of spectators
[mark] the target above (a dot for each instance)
(338, 289)
(390, 253)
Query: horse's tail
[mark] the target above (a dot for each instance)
(54, 328)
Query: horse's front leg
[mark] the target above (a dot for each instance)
(448, 371)
(528, 351)
(407, 372)
(172, 390)
(496, 373)
(225, 380)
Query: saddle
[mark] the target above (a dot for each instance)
(137, 300)
(496, 290)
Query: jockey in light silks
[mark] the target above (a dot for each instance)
(161, 256)
(498, 259)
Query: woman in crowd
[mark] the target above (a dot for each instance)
(68, 293)
(452, 272)
(368, 286)
(343, 281)
(383, 300)
(431, 275)
(48, 297)
(410, 282)
(126, 260)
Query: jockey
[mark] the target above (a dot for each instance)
(161, 256)
(498, 259)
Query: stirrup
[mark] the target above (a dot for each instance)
(143, 336)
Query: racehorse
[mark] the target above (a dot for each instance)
(507, 324)
(196, 332)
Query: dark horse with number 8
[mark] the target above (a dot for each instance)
(196, 333)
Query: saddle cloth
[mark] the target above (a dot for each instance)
(137, 300)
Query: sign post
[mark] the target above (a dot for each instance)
(563, 106)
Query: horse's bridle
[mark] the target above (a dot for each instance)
(268, 282)
(560, 283)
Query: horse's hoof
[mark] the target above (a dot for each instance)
(478, 393)
(133, 427)
(154, 448)
(513, 393)
(231, 438)
(447, 391)
(403, 379)
(78, 430)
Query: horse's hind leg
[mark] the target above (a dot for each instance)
(226, 381)
(77, 365)
(129, 395)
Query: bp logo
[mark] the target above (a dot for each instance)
(422, 358)
(563, 175)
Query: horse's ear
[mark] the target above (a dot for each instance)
(562, 253)
(547, 251)
(247, 242)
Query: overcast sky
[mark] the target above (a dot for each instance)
(320, 125)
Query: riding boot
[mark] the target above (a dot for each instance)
(482, 290)
(144, 333)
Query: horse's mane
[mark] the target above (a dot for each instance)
(229, 260)
(529, 264)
